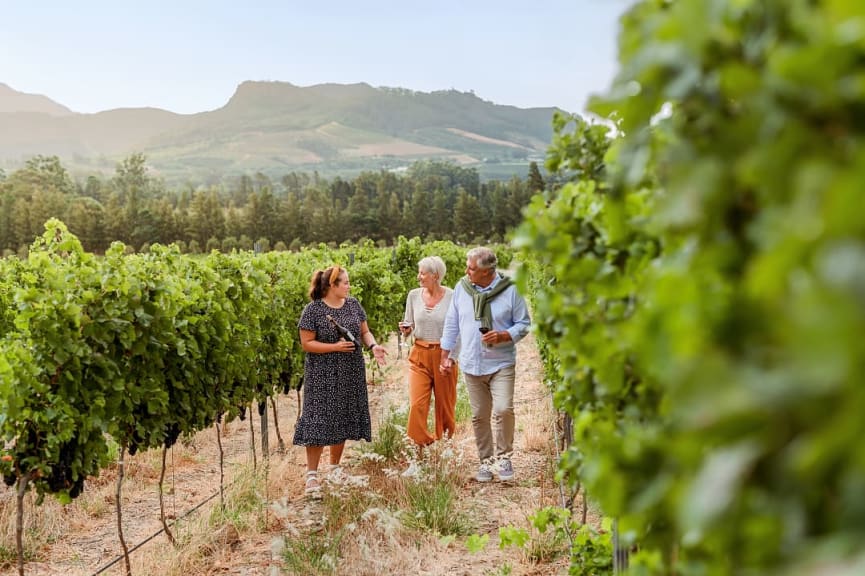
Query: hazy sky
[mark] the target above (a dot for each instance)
(189, 55)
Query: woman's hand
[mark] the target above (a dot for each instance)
(379, 352)
(344, 346)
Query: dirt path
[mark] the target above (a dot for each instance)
(83, 539)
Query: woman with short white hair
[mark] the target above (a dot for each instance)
(425, 311)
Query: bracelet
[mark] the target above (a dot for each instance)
(373, 345)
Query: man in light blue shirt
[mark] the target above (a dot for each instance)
(487, 317)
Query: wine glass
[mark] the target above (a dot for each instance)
(484, 330)
(404, 331)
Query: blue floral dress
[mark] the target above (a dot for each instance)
(335, 400)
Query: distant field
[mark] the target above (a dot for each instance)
(210, 169)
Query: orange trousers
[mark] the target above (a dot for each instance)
(424, 380)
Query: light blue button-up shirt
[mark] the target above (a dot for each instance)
(509, 312)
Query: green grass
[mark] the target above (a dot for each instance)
(313, 554)
(463, 408)
(9, 556)
(431, 505)
(390, 439)
(242, 501)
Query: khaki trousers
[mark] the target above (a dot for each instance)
(492, 399)
(424, 380)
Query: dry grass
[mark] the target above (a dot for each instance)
(373, 521)
(40, 524)
(536, 431)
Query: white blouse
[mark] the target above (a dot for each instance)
(427, 323)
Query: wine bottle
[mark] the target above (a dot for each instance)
(344, 332)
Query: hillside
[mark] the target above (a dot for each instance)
(14, 101)
(277, 127)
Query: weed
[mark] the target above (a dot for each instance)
(432, 506)
(443, 462)
(346, 500)
(312, 554)
(591, 553)
(476, 542)
(545, 547)
(9, 556)
(242, 501)
(390, 440)
(431, 497)
(504, 570)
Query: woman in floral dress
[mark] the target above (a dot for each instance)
(335, 401)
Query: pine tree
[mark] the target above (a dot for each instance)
(536, 181)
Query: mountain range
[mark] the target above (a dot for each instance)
(277, 127)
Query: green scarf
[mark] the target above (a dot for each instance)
(482, 299)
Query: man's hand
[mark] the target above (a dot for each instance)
(446, 364)
(494, 337)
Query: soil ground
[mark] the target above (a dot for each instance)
(82, 538)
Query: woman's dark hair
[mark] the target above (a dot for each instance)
(322, 280)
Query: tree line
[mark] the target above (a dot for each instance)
(431, 200)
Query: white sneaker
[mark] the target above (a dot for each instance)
(505, 470)
(413, 471)
(485, 473)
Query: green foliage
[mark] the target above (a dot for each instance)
(477, 542)
(511, 536)
(408, 252)
(548, 539)
(577, 150)
(9, 270)
(592, 552)
(135, 350)
(52, 422)
(700, 297)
